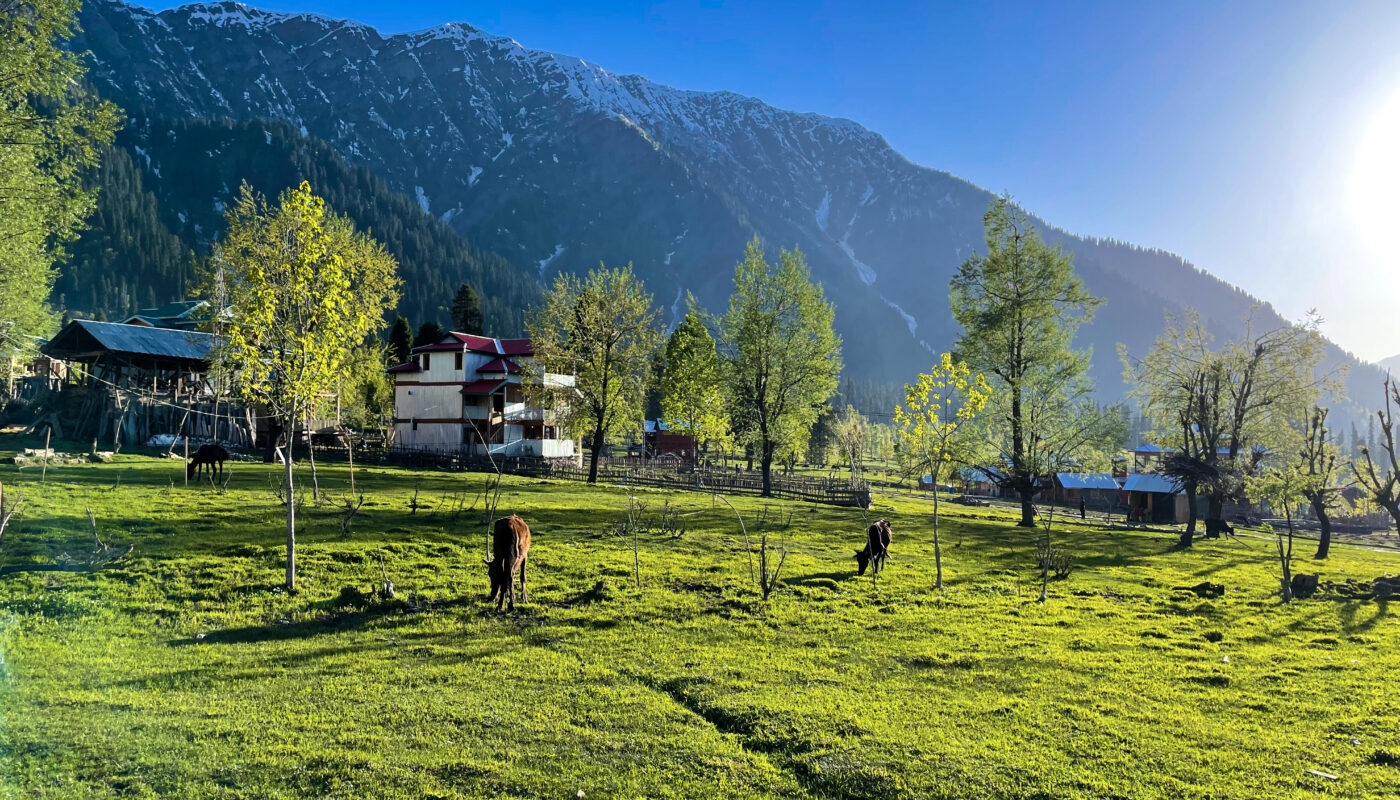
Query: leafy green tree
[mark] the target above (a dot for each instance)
(1019, 307)
(429, 332)
(1282, 488)
(52, 131)
(1225, 409)
(400, 340)
(602, 329)
(692, 383)
(466, 311)
(304, 287)
(851, 429)
(782, 356)
(936, 411)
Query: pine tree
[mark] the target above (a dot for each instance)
(428, 333)
(466, 311)
(400, 340)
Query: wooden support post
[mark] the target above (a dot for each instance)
(187, 462)
(44, 473)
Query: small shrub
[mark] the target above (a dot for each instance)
(1055, 561)
(1214, 637)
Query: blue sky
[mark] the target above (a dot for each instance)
(1257, 139)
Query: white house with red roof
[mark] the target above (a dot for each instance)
(464, 393)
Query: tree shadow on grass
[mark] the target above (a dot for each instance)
(1351, 609)
(821, 578)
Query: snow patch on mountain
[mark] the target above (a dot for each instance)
(823, 212)
(476, 173)
(546, 261)
(908, 318)
(422, 198)
(864, 270)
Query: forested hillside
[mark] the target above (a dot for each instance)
(163, 190)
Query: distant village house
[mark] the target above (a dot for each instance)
(465, 394)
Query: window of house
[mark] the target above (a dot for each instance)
(425, 362)
(457, 361)
(514, 394)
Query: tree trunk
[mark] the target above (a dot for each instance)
(1188, 535)
(1394, 510)
(291, 514)
(596, 450)
(937, 553)
(311, 455)
(1285, 558)
(766, 464)
(1027, 508)
(1324, 523)
(1215, 511)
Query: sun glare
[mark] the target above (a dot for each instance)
(1375, 177)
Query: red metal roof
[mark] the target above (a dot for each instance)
(517, 347)
(411, 366)
(483, 387)
(499, 365)
(437, 346)
(480, 344)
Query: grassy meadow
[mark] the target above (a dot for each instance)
(181, 670)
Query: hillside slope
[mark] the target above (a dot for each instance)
(558, 164)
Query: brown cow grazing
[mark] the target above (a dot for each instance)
(210, 455)
(877, 547)
(510, 547)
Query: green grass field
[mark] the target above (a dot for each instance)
(182, 671)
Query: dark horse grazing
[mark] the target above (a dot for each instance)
(877, 547)
(510, 547)
(211, 454)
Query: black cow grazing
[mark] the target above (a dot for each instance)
(510, 547)
(877, 547)
(211, 454)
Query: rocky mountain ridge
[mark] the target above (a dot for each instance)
(557, 164)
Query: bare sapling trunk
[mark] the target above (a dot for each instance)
(1285, 555)
(350, 455)
(8, 512)
(1045, 561)
(311, 458)
(291, 509)
(748, 548)
(44, 473)
(769, 578)
(937, 548)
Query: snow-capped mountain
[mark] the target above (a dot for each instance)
(557, 164)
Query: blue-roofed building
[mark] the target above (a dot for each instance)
(1098, 490)
(185, 315)
(1155, 498)
(131, 383)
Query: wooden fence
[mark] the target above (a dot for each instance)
(814, 490)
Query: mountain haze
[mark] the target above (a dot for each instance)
(556, 164)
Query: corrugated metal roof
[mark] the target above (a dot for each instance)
(1150, 482)
(408, 366)
(133, 340)
(503, 365)
(1086, 480)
